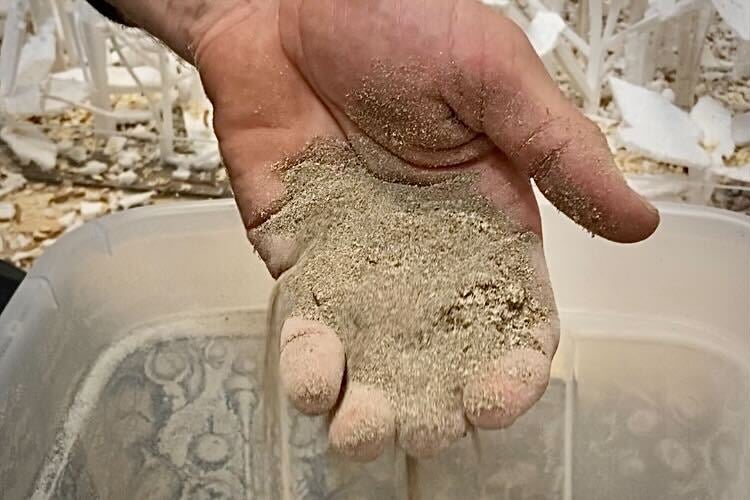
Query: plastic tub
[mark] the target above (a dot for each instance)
(131, 362)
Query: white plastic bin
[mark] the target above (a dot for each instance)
(131, 362)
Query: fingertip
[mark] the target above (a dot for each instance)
(363, 425)
(311, 365)
(507, 389)
(643, 222)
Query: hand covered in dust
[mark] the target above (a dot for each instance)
(420, 91)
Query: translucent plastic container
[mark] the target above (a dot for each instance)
(131, 367)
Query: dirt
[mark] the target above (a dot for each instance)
(425, 285)
(401, 108)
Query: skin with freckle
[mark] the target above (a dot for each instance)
(381, 154)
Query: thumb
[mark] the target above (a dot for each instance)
(543, 134)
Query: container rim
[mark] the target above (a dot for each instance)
(215, 205)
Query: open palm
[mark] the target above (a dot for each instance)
(419, 90)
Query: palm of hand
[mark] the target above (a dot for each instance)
(414, 89)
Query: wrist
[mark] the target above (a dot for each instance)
(183, 25)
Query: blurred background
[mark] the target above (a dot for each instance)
(96, 118)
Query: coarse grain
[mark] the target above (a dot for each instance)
(424, 284)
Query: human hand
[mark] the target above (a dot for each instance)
(450, 114)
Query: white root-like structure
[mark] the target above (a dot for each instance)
(73, 57)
